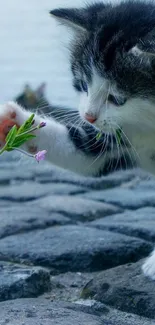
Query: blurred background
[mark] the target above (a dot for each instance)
(34, 50)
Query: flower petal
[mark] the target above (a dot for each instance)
(42, 124)
(40, 155)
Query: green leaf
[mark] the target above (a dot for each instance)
(11, 136)
(22, 139)
(26, 125)
(9, 149)
(119, 135)
(99, 135)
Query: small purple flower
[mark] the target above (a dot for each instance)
(40, 155)
(42, 124)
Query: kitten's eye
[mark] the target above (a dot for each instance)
(84, 86)
(116, 101)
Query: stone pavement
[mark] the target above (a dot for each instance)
(71, 248)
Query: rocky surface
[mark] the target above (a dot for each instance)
(124, 288)
(71, 248)
(133, 198)
(17, 281)
(138, 223)
(42, 311)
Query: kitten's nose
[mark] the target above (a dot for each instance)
(91, 119)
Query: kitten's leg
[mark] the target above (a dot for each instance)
(67, 147)
(149, 266)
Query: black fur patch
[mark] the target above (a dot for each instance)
(85, 139)
(112, 31)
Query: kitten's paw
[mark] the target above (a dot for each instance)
(10, 114)
(149, 266)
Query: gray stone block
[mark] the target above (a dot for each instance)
(41, 311)
(124, 197)
(73, 248)
(124, 288)
(21, 218)
(27, 191)
(76, 208)
(139, 223)
(17, 281)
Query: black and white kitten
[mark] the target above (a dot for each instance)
(113, 67)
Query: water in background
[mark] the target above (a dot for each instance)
(32, 50)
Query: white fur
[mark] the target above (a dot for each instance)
(95, 102)
(149, 266)
(136, 51)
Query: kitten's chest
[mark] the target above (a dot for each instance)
(144, 147)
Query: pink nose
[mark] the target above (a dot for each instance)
(91, 119)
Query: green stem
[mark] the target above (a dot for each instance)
(3, 149)
(24, 152)
(28, 131)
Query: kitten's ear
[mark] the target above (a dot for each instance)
(40, 91)
(72, 18)
(82, 19)
(27, 90)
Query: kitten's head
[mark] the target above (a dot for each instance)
(113, 62)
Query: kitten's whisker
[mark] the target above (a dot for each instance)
(90, 140)
(126, 147)
(75, 126)
(44, 104)
(97, 143)
(40, 105)
(66, 119)
(101, 151)
(119, 146)
(118, 150)
(80, 124)
(112, 149)
(123, 154)
(60, 114)
(106, 102)
(69, 118)
(131, 145)
(91, 145)
(60, 110)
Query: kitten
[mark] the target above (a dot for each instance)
(113, 67)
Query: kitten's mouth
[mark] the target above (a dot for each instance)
(104, 128)
(107, 126)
